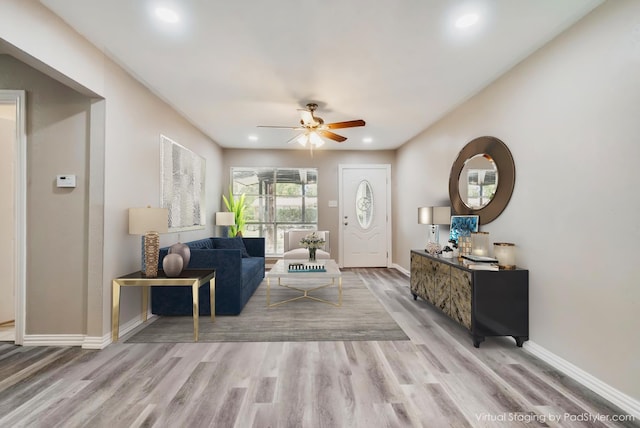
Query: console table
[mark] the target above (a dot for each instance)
(193, 278)
(486, 303)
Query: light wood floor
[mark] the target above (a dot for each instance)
(437, 379)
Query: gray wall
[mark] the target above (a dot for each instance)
(57, 134)
(117, 133)
(326, 161)
(569, 114)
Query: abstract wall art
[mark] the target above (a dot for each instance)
(183, 175)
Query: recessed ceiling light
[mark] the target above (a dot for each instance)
(367, 140)
(167, 15)
(253, 137)
(467, 20)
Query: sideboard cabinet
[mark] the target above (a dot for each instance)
(486, 303)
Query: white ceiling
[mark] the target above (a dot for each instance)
(398, 64)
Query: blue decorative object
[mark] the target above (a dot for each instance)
(463, 225)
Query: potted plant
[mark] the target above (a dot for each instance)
(237, 207)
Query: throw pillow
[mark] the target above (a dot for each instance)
(231, 244)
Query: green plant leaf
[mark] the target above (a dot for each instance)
(237, 207)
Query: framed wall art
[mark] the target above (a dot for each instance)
(183, 175)
(463, 225)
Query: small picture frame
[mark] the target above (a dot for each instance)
(463, 225)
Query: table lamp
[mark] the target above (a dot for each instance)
(149, 222)
(434, 216)
(224, 220)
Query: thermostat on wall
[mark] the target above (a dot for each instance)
(67, 180)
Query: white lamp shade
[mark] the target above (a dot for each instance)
(441, 215)
(434, 215)
(425, 215)
(143, 220)
(225, 219)
(315, 139)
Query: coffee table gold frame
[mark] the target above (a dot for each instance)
(192, 277)
(279, 271)
(305, 292)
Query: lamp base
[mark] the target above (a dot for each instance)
(434, 234)
(151, 254)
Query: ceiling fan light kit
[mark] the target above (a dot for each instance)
(314, 129)
(312, 138)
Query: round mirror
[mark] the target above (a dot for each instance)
(478, 181)
(482, 179)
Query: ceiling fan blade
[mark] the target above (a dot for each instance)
(294, 139)
(347, 124)
(280, 127)
(332, 136)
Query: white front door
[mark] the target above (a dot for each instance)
(365, 217)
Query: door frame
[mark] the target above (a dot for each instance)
(20, 208)
(387, 168)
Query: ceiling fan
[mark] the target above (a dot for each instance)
(313, 128)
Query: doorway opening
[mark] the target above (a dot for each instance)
(13, 231)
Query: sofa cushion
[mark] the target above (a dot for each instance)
(201, 244)
(231, 244)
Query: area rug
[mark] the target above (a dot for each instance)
(361, 317)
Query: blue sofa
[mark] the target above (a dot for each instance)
(237, 277)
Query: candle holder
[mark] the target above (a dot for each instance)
(505, 252)
(464, 246)
(480, 243)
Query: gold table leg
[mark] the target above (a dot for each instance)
(196, 310)
(115, 311)
(145, 302)
(268, 291)
(305, 293)
(212, 298)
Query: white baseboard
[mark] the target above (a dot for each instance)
(620, 399)
(84, 341)
(401, 269)
(53, 340)
(96, 342)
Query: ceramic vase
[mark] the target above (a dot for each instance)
(172, 265)
(184, 251)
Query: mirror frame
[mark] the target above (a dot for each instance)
(501, 156)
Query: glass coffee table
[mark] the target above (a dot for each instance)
(322, 270)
